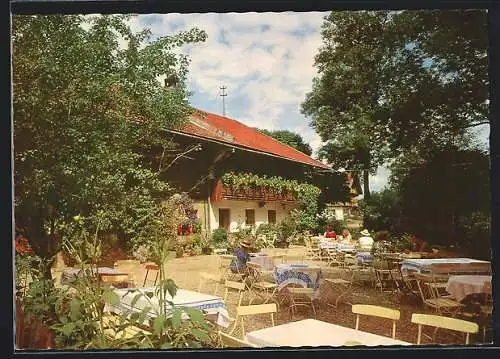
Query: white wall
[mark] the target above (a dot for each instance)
(237, 212)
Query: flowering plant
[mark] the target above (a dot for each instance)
(22, 246)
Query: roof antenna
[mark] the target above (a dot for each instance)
(223, 95)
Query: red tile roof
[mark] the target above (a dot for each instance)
(224, 129)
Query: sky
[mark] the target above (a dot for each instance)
(264, 59)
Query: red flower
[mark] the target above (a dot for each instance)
(23, 246)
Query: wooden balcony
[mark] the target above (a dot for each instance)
(222, 192)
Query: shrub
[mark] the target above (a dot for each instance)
(220, 238)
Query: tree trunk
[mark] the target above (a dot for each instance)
(366, 184)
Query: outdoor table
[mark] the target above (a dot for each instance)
(265, 261)
(445, 265)
(305, 275)
(71, 273)
(183, 298)
(313, 333)
(364, 258)
(460, 286)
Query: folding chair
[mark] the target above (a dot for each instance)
(385, 281)
(343, 285)
(153, 267)
(229, 341)
(376, 311)
(432, 297)
(237, 286)
(225, 261)
(438, 321)
(250, 310)
(259, 288)
(334, 258)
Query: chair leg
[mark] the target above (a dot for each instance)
(146, 277)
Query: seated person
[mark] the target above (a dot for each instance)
(419, 245)
(239, 265)
(365, 242)
(330, 234)
(346, 237)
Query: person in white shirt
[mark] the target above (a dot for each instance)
(365, 241)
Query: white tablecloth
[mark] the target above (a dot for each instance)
(342, 247)
(465, 265)
(267, 262)
(183, 298)
(460, 286)
(70, 273)
(315, 333)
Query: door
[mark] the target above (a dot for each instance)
(224, 218)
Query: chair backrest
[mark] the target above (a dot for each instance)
(439, 321)
(232, 342)
(377, 311)
(239, 286)
(248, 310)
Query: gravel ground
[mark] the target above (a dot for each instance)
(185, 272)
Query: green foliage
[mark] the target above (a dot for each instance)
(266, 235)
(476, 229)
(220, 238)
(83, 107)
(289, 138)
(396, 83)
(307, 195)
(450, 186)
(382, 211)
(305, 192)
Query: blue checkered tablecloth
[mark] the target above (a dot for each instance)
(364, 257)
(285, 274)
(183, 298)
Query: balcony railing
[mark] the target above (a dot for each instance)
(222, 192)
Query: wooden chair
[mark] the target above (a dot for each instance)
(385, 281)
(249, 310)
(376, 311)
(260, 288)
(312, 250)
(238, 286)
(300, 297)
(432, 296)
(438, 321)
(225, 268)
(229, 341)
(209, 278)
(153, 267)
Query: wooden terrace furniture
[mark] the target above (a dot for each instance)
(438, 321)
(153, 267)
(259, 288)
(229, 341)
(431, 293)
(315, 333)
(237, 286)
(251, 310)
(376, 311)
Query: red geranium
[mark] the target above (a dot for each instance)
(23, 246)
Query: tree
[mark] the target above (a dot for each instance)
(393, 82)
(83, 105)
(289, 138)
(441, 195)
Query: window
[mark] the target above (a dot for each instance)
(250, 217)
(271, 216)
(224, 218)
